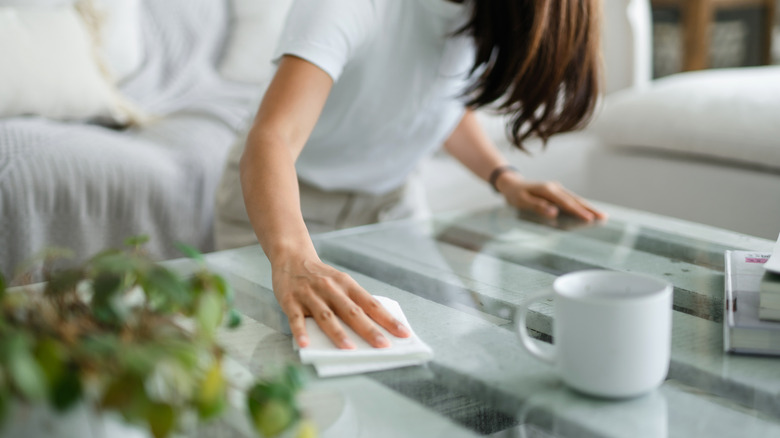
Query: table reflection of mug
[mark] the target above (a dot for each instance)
(541, 414)
(611, 331)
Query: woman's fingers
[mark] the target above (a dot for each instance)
(378, 313)
(329, 323)
(580, 207)
(573, 207)
(355, 317)
(334, 299)
(561, 197)
(600, 215)
(362, 312)
(297, 321)
(547, 198)
(539, 205)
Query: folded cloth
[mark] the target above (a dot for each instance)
(329, 360)
(773, 264)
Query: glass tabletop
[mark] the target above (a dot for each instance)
(459, 277)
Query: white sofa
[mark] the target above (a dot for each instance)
(200, 72)
(68, 179)
(701, 146)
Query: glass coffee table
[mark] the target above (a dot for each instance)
(458, 278)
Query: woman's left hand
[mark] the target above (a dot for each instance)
(547, 198)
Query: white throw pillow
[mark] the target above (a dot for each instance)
(120, 32)
(121, 45)
(36, 3)
(731, 114)
(255, 29)
(51, 67)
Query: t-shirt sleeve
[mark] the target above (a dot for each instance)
(327, 33)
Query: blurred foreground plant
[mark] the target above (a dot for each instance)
(127, 334)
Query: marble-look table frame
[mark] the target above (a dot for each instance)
(458, 278)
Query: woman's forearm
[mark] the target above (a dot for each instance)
(284, 121)
(270, 188)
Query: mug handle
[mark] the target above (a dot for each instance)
(529, 343)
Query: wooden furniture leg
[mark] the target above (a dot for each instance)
(697, 25)
(769, 23)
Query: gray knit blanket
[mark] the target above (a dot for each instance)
(87, 187)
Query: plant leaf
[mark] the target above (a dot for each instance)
(136, 241)
(307, 429)
(118, 393)
(120, 345)
(2, 286)
(140, 359)
(23, 371)
(234, 318)
(184, 351)
(50, 356)
(3, 404)
(161, 418)
(105, 299)
(266, 390)
(165, 291)
(223, 287)
(272, 417)
(294, 378)
(211, 396)
(98, 346)
(258, 394)
(209, 314)
(102, 254)
(66, 391)
(126, 394)
(64, 382)
(119, 262)
(190, 252)
(64, 281)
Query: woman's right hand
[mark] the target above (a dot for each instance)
(307, 287)
(304, 286)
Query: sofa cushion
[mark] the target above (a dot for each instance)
(729, 114)
(51, 67)
(120, 36)
(120, 31)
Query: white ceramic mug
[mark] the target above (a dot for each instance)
(612, 332)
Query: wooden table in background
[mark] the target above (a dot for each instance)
(697, 17)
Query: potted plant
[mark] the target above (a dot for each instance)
(121, 334)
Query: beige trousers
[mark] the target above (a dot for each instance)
(322, 210)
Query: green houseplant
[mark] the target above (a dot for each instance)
(127, 335)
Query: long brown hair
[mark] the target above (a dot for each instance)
(536, 61)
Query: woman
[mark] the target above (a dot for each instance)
(365, 89)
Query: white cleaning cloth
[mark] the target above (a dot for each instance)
(329, 360)
(773, 264)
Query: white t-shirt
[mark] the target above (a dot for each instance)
(398, 80)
